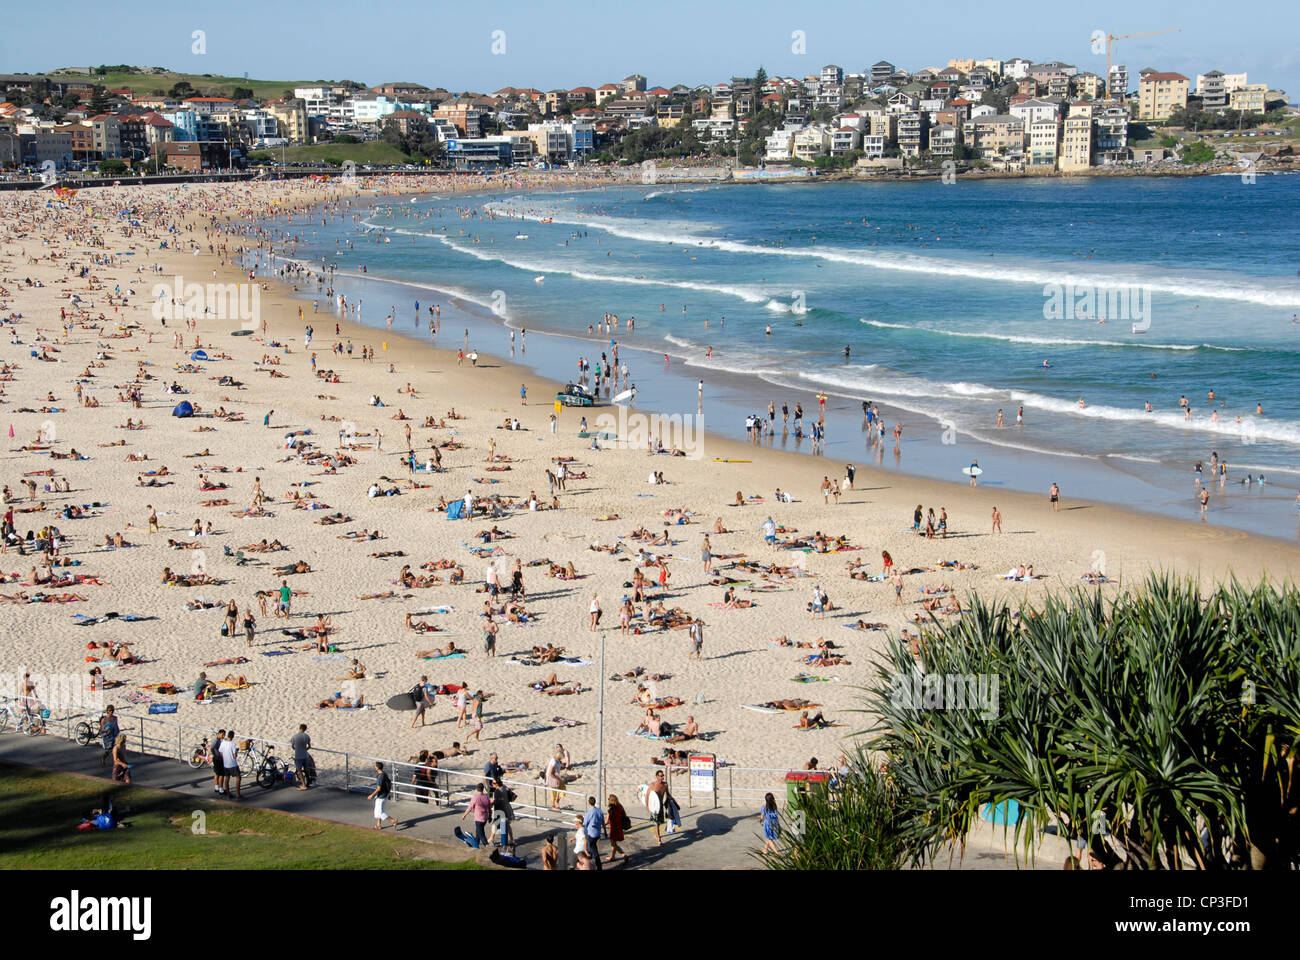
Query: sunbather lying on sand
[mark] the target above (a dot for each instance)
(340, 702)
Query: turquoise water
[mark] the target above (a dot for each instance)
(950, 297)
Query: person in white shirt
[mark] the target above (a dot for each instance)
(469, 504)
(230, 761)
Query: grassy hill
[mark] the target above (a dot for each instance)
(143, 82)
(39, 811)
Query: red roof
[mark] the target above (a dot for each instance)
(959, 102)
(1163, 77)
(582, 90)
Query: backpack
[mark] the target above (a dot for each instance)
(627, 821)
(417, 693)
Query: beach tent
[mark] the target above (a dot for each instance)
(198, 355)
(183, 409)
(455, 509)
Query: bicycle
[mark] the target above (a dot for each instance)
(87, 731)
(24, 720)
(272, 771)
(201, 754)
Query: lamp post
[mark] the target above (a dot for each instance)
(600, 727)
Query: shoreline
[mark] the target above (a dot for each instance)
(1148, 498)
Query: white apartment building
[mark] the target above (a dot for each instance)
(1044, 142)
(1031, 111)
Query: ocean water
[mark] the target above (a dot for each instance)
(955, 301)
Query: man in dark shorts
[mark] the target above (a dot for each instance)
(218, 771)
(301, 744)
(420, 695)
(660, 787)
(1054, 497)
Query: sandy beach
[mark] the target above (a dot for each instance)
(272, 399)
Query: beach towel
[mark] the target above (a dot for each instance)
(330, 656)
(645, 735)
(455, 509)
(163, 707)
(276, 653)
(565, 722)
(447, 656)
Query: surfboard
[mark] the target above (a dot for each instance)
(728, 460)
(652, 803)
(401, 701)
(625, 395)
(241, 333)
(971, 471)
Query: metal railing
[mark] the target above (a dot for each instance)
(156, 735)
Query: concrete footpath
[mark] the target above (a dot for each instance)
(709, 839)
(722, 839)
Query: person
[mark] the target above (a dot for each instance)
(616, 822)
(230, 763)
(594, 610)
(552, 776)
(492, 769)
(1054, 497)
(997, 521)
(121, 769)
(771, 824)
(286, 595)
(218, 770)
(203, 687)
(550, 854)
(503, 813)
(383, 787)
(697, 640)
(593, 825)
(108, 730)
(301, 744)
(420, 696)
(659, 787)
(769, 531)
(481, 807)
(250, 625)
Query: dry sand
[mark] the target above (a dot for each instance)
(740, 666)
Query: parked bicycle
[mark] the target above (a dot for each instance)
(87, 732)
(22, 718)
(201, 754)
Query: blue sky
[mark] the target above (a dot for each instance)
(551, 44)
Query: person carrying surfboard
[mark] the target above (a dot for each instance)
(974, 472)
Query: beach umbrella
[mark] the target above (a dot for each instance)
(198, 355)
(183, 409)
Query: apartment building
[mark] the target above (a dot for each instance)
(998, 135)
(1076, 140)
(1034, 109)
(873, 145)
(832, 75)
(913, 133)
(106, 132)
(465, 118)
(1160, 94)
(1044, 142)
(1110, 132)
(1117, 86)
(291, 119)
(1212, 91)
(881, 71)
(1250, 98)
(811, 143)
(779, 145)
(845, 139)
(944, 138)
(1089, 86)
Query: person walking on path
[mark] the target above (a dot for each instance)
(301, 744)
(771, 824)
(481, 807)
(121, 769)
(383, 787)
(697, 640)
(108, 730)
(593, 825)
(616, 822)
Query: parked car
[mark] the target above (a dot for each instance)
(575, 396)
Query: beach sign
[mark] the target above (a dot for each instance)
(704, 779)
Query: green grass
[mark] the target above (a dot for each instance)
(376, 151)
(40, 810)
(143, 84)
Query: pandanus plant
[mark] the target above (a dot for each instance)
(1159, 727)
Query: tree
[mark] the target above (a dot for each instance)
(242, 93)
(1197, 152)
(760, 78)
(1160, 725)
(181, 89)
(99, 101)
(112, 166)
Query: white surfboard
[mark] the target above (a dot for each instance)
(652, 802)
(971, 471)
(625, 395)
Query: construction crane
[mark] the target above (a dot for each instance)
(1110, 45)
